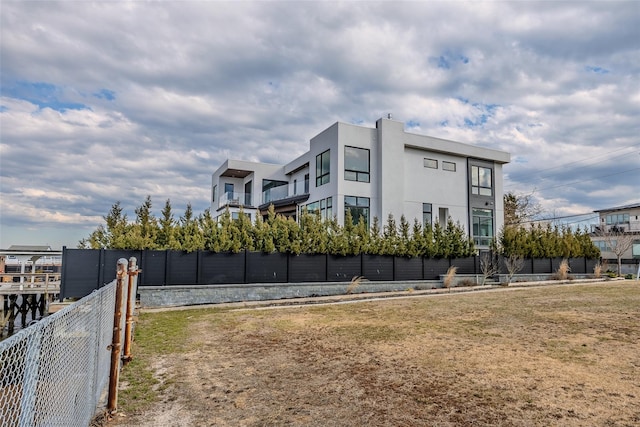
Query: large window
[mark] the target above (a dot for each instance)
(247, 193)
(481, 182)
(426, 214)
(482, 226)
(617, 219)
(603, 245)
(228, 190)
(356, 164)
(322, 168)
(324, 207)
(359, 207)
(273, 190)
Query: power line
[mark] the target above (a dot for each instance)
(607, 158)
(585, 180)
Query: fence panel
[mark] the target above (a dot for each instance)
(183, 268)
(467, 265)
(308, 268)
(80, 272)
(266, 268)
(54, 372)
(434, 267)
(408, 269)
(221, 268)
(343, 268)
(154, 265)
(377, 267)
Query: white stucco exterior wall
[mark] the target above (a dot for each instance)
(399, 181)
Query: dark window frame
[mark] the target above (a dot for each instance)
(359, 204)
(323, 174)
(351, 173)
(479, 186)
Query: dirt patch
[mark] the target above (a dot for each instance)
(536, 357)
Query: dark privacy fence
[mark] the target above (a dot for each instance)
(84, 270)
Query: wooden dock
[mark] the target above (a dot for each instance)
(31, 297)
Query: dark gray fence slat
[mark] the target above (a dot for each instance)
(222, 268)
(343, 268)
(408, 269)
(377, 267)
(307, 268)
(266, 268)
(183, 268)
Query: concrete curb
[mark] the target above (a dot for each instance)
(374, 296)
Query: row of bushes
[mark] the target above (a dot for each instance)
(545, 242)
(314, 235)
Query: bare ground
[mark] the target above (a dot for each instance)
(553, 356)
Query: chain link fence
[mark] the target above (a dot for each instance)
(55, 372)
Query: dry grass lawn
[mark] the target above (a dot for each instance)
(547, 356)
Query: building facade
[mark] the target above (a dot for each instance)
(619, 226)
(374, 172)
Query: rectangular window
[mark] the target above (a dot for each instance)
(214, 193)
(430, 163)
(247, 193)
(324, 207)
(603, 246)
(273, 190)
(482, 226)
(443, 216)
(481, 181)
(306, 183)
(228, 190)
(236, 215)
(356, 164)
(322, 168)
(295, 187)
(359, 207)
(617, 219)
(448, 166)
(426, 214)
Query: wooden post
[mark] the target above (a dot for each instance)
(114, 373)
(131, 300)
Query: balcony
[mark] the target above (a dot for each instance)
(282, 192)
(628, 227)
(235, 200)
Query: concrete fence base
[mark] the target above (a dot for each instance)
(182, 295)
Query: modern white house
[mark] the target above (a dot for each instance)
(373, 172)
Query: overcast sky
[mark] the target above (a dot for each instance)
(114, 101)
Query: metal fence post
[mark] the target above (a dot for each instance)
(131, 300)
(114, 372)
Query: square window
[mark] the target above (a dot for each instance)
(356, 164)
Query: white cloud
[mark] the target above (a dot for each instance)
(128, 99)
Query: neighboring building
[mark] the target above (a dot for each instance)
(623, 221)
(23, 259)
(374, 172)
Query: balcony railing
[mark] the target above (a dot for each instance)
(235, 199)
(623, 227)
(268, 196)
(284, 192)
